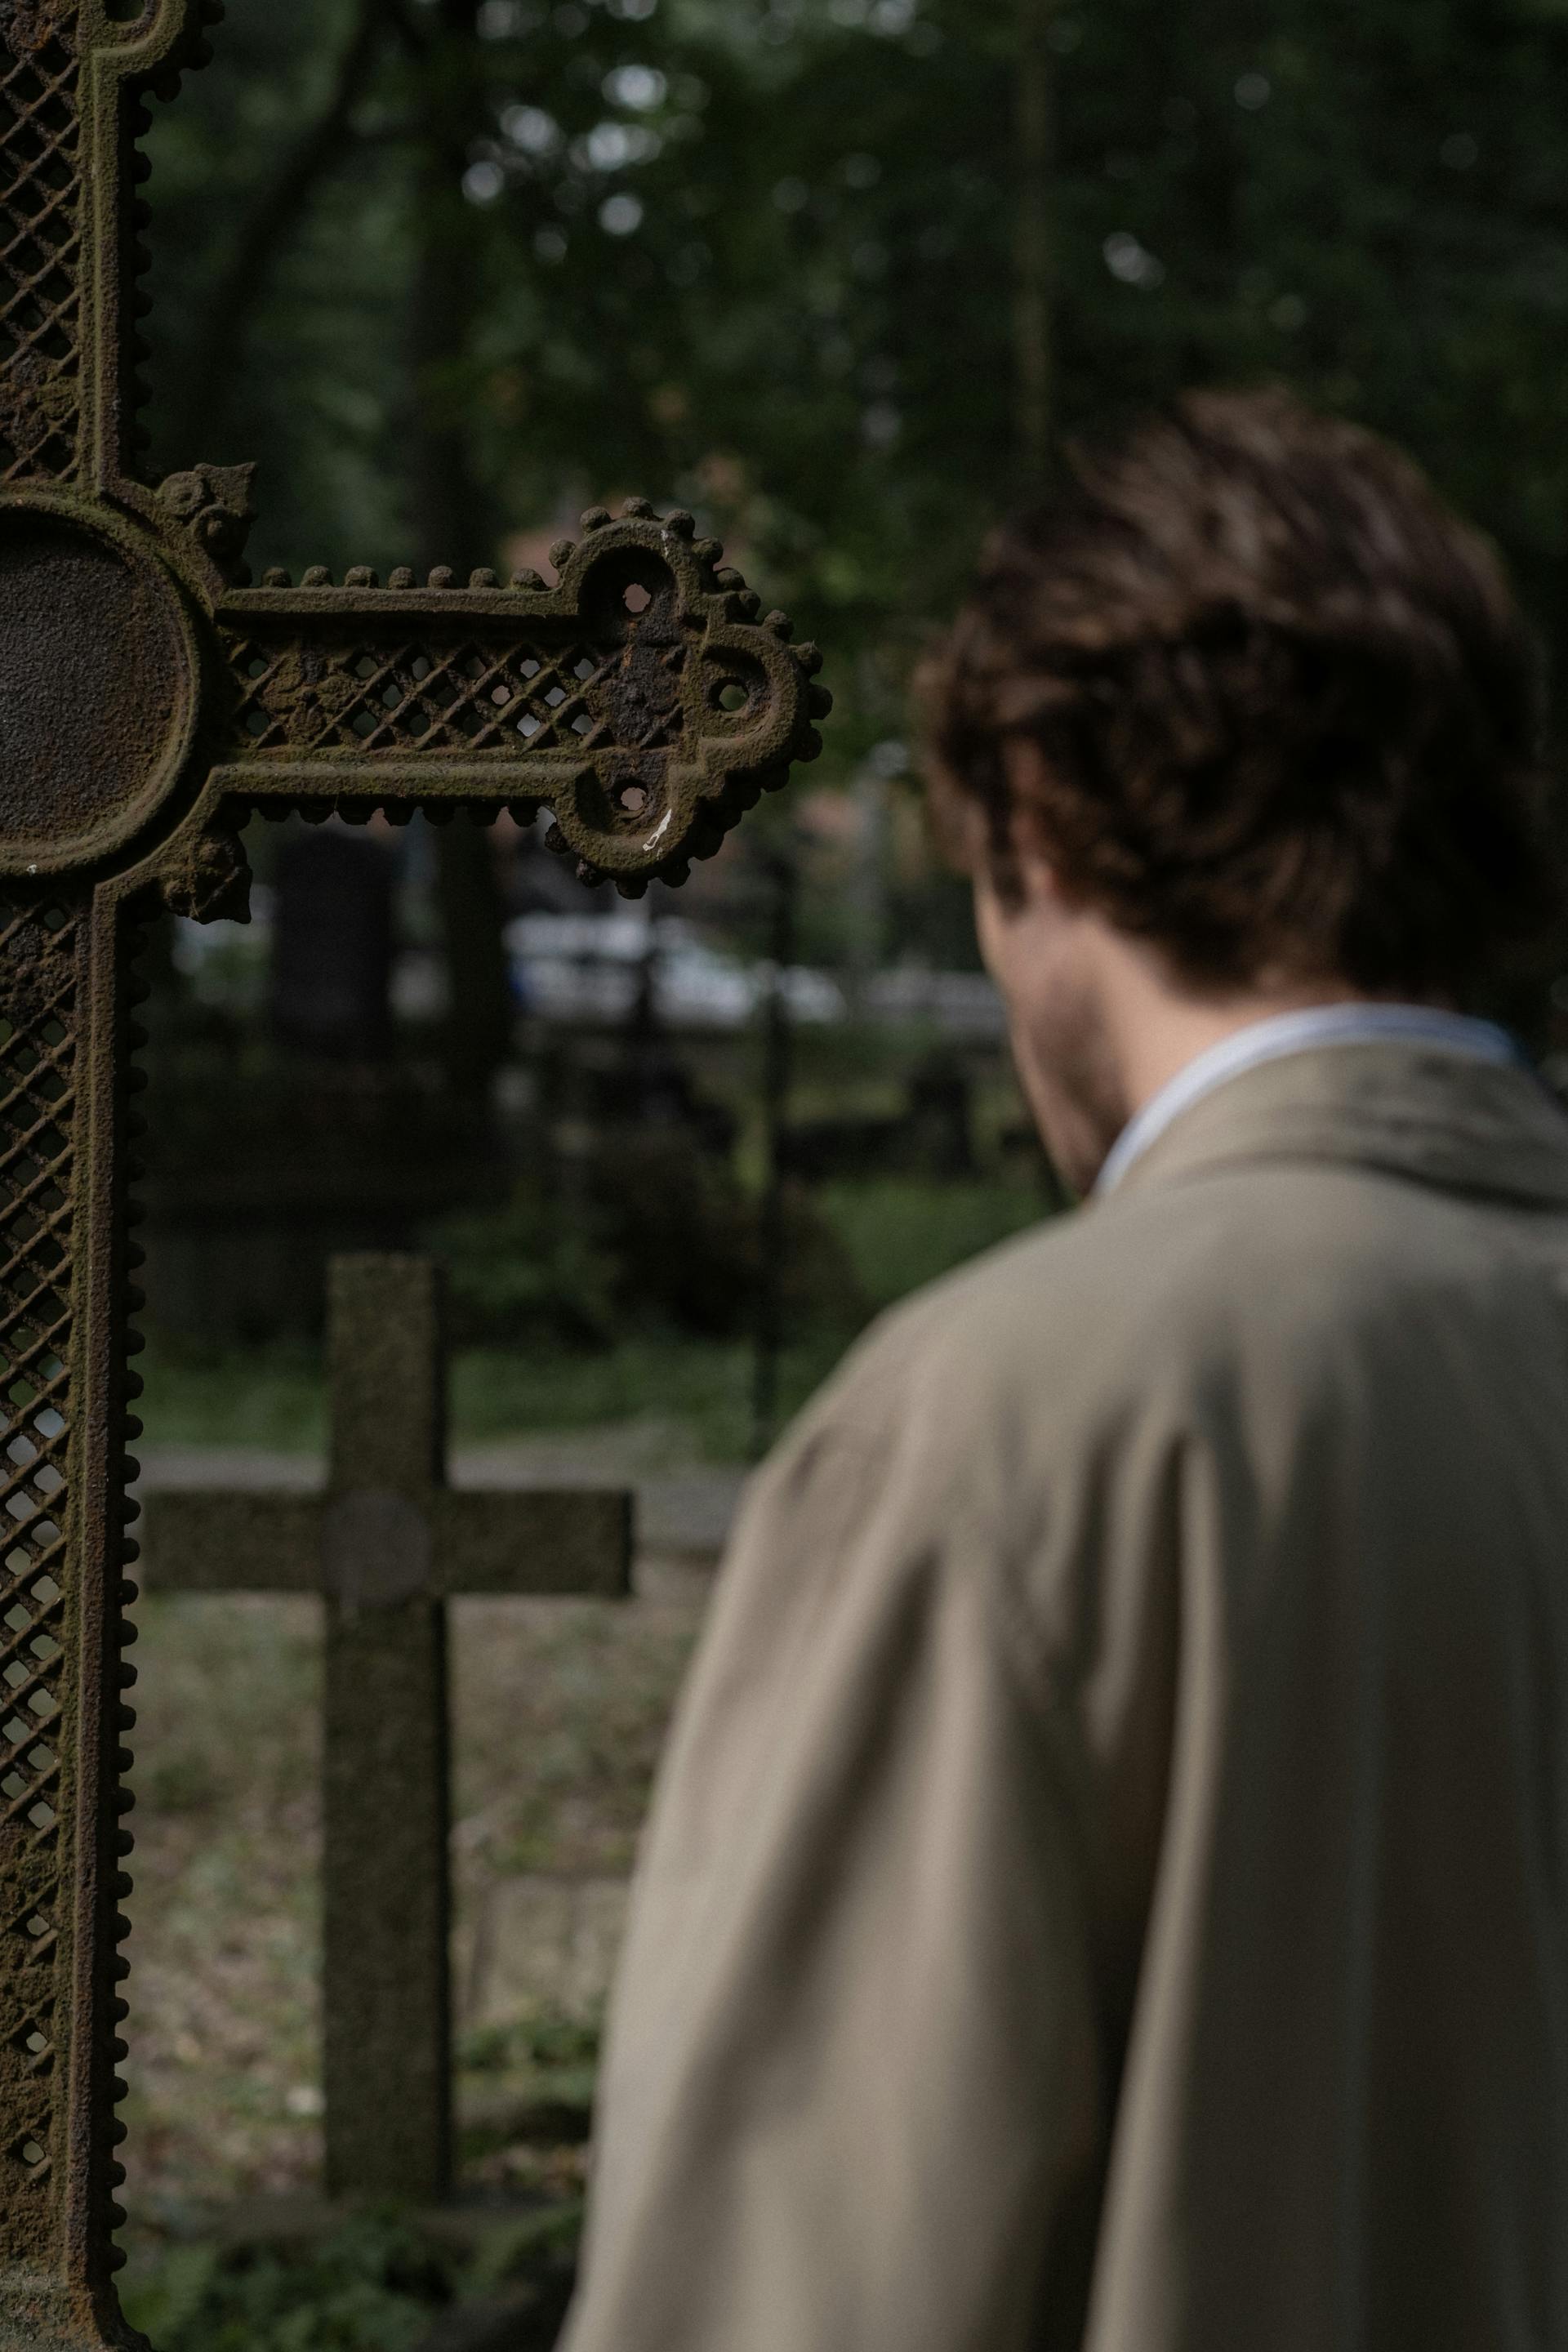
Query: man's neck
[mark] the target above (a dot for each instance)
(1153, 1030)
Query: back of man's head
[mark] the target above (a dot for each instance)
(1287, 711)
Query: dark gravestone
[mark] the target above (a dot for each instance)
(332, 938)
(386, 1546)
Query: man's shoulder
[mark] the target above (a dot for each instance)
(1088, 1312)
(1140, 1260)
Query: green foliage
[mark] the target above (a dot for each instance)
(878, 1240)
(700, 1387)
(902, 1233)
(271, 1398)
(525, 1272)
(377, 2283)
(373, 2286)
(546, 2239)
(540, 2074)
(234, 1397)
(650, 1230)
(758, 256)
(550, 2042)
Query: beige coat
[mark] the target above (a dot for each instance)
(1113, 1854)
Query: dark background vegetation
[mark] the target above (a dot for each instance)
(764, 255)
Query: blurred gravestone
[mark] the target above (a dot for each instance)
(386, 1546)
(333, 946)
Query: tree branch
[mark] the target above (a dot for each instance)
(265, 235)
(410, 32)
(1035, 235)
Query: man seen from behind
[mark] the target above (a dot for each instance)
(1108, 1887)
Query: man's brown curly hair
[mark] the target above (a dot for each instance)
(1288, 710)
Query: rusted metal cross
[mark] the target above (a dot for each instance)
(150, 700)
(386, 1546)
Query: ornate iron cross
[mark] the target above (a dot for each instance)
(150, 699)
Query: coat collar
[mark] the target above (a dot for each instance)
(1408, 1110)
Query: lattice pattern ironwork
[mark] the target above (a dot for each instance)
(476, 695)
(37, 1117)
(40, 244)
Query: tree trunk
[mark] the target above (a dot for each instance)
(1035, 242)
(223, 353)
(452, 521)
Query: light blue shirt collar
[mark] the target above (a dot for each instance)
(1298, 1032)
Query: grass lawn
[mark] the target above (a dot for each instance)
(899, 1233)
(560, 1710)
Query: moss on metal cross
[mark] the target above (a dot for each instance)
(150, 699)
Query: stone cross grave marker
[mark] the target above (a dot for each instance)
(386, 1546)
(150, 699)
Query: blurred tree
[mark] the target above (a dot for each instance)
(768, 257)
(221, 334)
(1036, 324)
(451, 513)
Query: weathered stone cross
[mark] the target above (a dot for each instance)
(386, 1546)
(150, 700)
